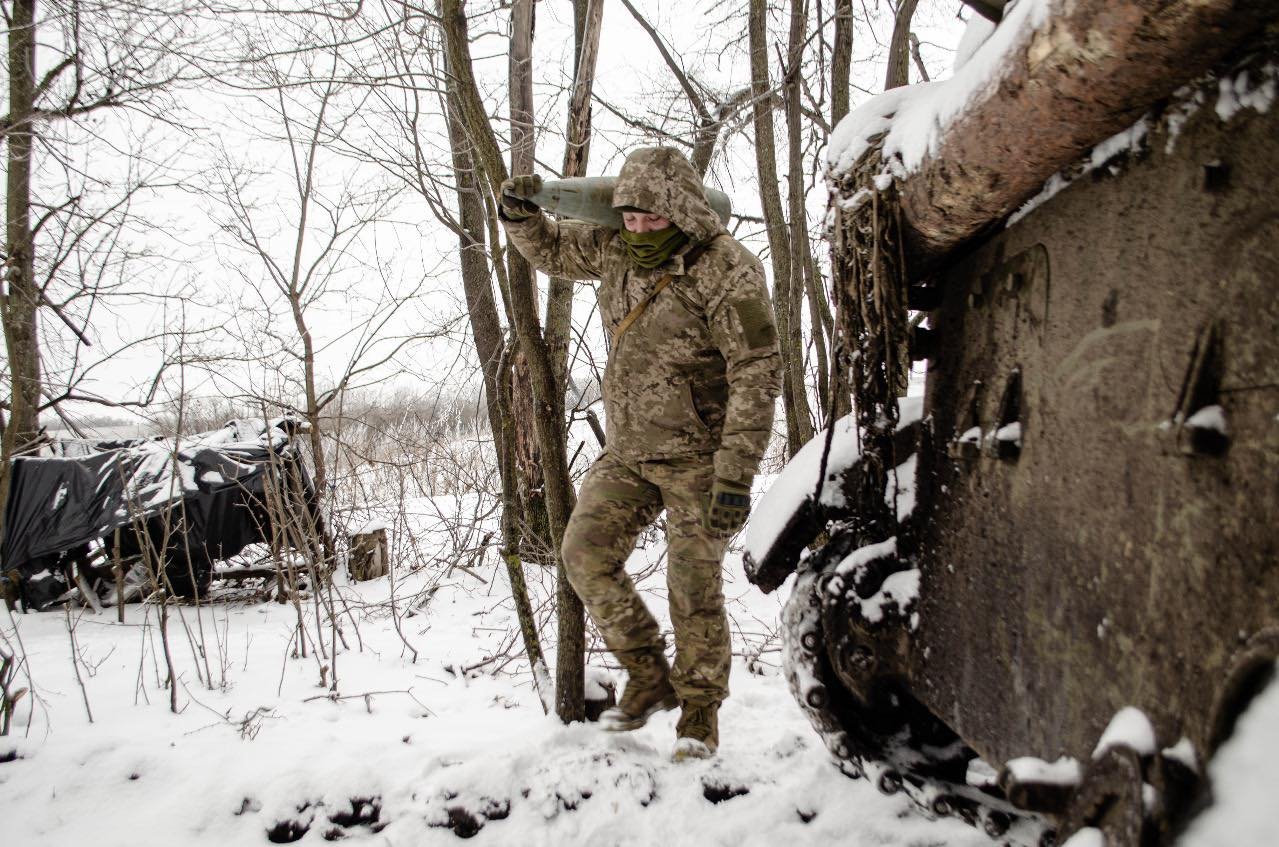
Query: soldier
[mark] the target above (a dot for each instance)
(692, 374)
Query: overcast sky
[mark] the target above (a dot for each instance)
(225, 293)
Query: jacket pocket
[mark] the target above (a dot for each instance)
(679, 414)
(692, 407)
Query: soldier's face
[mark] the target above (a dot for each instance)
(644, 222)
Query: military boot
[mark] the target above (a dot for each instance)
(648, 690)
(697, 733)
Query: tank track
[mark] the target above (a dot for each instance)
(887, 737)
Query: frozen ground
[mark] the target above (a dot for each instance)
(413, 752)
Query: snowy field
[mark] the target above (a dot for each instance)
(407, 752)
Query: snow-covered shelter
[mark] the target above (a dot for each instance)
(187, 503)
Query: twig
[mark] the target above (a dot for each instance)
(75, 662)
(334, 696)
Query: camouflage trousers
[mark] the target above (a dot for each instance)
(617, 500)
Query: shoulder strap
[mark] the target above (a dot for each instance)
(633, 315)
(690, 258)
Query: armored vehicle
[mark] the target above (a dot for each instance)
(1039, 597)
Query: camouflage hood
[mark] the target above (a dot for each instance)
(660, 180)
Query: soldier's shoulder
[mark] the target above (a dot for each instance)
(725, 255)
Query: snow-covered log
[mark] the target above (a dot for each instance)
(1056, 78)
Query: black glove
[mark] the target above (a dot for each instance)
(515, 193)
(730, 504)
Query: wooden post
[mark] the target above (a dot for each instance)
(367, 555)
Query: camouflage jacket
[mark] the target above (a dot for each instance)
(698, 372)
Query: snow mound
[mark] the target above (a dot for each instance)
(976, 32)
(1131, 728)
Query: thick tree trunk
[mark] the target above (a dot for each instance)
(1084, 76)
(486, 332)
(528, 451)
(570, 702)
(21, 300)
(549, 426)
(477, 283)
(474, 118)
(490, 170)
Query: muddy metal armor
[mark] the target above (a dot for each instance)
(689, 389)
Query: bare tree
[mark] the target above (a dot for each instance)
(490, 345)
(577, 146)
(786, 285)
(549, 416)
(411, 81)
(547, 392)
(710, 115)
(101, 59)
(327, 256)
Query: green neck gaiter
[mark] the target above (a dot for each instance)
(650, 249)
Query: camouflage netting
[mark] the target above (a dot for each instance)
(870, 290)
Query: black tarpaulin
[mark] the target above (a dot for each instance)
(199, 499)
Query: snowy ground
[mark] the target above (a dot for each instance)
(412, 753)
(419, 750)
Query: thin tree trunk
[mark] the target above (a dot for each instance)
(528, 451)
(898, 73)
(841, 83)
(295, 293)
(820, 335)
(841, 61)
(20, 303)
(919, 59)
(793, 342)
(588, 15)
(771, 199)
